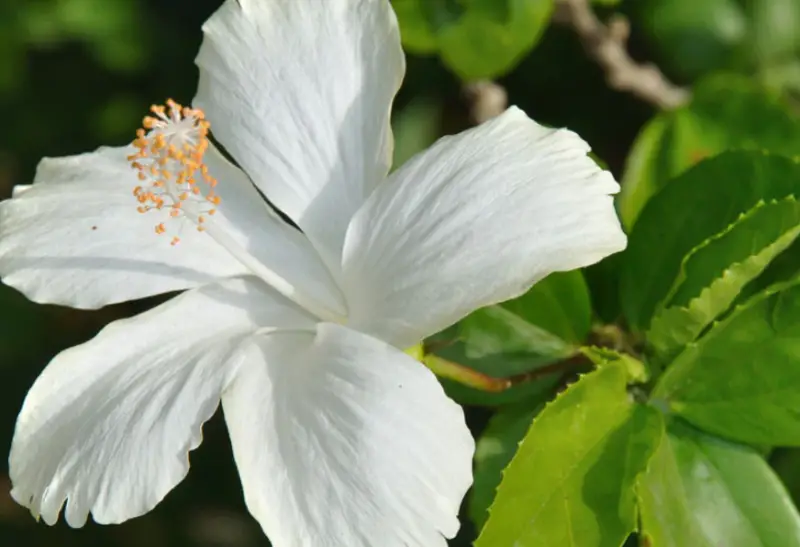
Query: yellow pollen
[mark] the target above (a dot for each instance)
(170, 148)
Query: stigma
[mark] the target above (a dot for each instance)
(173, 178)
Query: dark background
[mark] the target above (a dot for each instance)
(77, 74)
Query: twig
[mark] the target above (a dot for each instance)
(606, 44)
(464, 375)
(486, 98)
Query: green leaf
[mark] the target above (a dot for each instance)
(725, 113)
(645, 167)
(713, 274)
(559, 304)
(493, 451)
(692, 38)
(784, 268)
(416, 28)
(701, 491)
(571, 481)
(773, 31)
(697, 205)
(475, 38)
(494, 329)
(637, 372)
(545, 325)
(742, 379)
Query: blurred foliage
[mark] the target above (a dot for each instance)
(726, 111)
(476, 38)
(695, 38)
(77, 74)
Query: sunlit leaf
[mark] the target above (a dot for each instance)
(572, 480)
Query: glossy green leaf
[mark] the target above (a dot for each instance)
(725, 113)
(742, 379)
(572, 480)
(713, 274)
(701, 491)
(493, 451)
(644, 168)
(494, 330)
(694, 207)
(559, 304)
(475, 38)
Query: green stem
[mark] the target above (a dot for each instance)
(457, 372)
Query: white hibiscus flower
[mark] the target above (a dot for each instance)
(340, 438)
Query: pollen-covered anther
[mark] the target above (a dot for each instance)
(170, 149)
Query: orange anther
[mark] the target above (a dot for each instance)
(170, 149)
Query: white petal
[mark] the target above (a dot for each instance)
(75, 237)
(475, 220)
(299, 92)
(109, 424)
(341, 439)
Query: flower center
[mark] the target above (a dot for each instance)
(170, 163)
(174, 179)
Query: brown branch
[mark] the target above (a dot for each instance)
(566, 365)
(486, 99)
(464, 375)
(606, 44)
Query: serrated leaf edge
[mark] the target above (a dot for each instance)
(681, 277)
(637, 370)
(715, 327)
(544, 408)
(698, 318)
